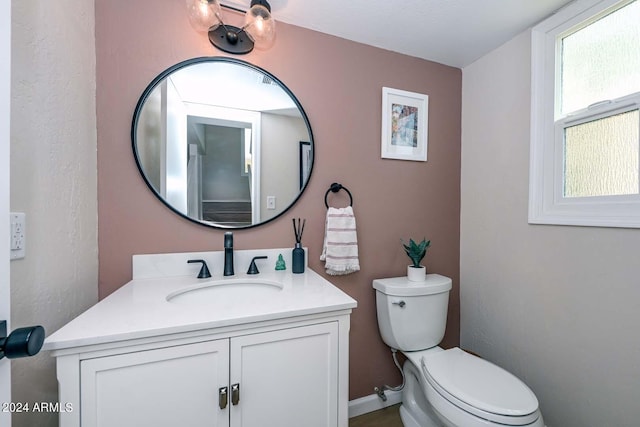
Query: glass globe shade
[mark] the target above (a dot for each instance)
(260, 25)
(203, 14)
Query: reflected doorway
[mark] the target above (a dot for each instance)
(223, 176)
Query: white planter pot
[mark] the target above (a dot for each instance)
(417, 274)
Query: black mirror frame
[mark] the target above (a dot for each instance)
(188, 62)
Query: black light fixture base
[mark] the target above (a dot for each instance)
(264, 3)
(231, 39)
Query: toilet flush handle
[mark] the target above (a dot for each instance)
(400, 303)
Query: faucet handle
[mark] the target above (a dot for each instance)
(204, 270)
(253, 268)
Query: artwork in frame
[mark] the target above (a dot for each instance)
(405, 123)
(305, 162)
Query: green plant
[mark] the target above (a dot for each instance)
(416, 251)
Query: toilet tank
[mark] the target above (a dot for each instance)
(412, 315)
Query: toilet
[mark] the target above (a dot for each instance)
(450, 388)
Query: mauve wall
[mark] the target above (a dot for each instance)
(339, 83)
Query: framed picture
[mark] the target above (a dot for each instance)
(404, 125)
(305, 162)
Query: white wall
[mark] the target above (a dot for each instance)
(281, 136)
(558, 306)
(5, 86)
(53, 180)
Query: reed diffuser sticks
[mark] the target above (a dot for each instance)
(297, 229)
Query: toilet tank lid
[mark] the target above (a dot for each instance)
(401, 286)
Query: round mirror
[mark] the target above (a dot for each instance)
(222, 142)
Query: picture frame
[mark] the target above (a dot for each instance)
(305, 162)
(405, 125)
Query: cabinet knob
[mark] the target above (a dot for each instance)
(223, 397)
(235, 393)
(22, 342)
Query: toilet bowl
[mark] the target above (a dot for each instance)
(451, 387)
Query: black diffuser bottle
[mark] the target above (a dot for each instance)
(297, 256)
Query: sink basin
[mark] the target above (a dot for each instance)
(226, 291)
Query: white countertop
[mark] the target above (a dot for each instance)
(140, 308)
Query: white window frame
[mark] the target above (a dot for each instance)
(547, 204)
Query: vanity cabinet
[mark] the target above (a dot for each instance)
(243, 351)
(280, 377)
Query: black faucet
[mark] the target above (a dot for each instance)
(228, 253)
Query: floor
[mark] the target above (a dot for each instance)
(387, 417)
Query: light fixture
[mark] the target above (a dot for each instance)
(258, 29)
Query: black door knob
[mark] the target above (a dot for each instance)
(22, 342)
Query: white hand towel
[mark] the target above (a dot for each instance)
(340, 248)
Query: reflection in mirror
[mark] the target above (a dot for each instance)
(222, 142)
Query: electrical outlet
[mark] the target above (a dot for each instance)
(271, 202)
(18, 235)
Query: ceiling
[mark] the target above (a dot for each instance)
(451, 32)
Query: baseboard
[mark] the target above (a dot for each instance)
(373, 402)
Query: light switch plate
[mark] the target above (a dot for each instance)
(17, 235)
(271, 202)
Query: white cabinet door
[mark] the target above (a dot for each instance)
(167, 387)
(287, 378)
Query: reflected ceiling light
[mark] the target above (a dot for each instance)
(258, 29)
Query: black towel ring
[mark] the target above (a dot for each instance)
(335, 187)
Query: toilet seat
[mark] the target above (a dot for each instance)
(478, 387)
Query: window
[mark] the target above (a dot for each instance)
(585, 119)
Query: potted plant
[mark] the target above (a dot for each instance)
(416, 251)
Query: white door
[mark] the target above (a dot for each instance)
(184, 385)
(286, 378)
(5, 82)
